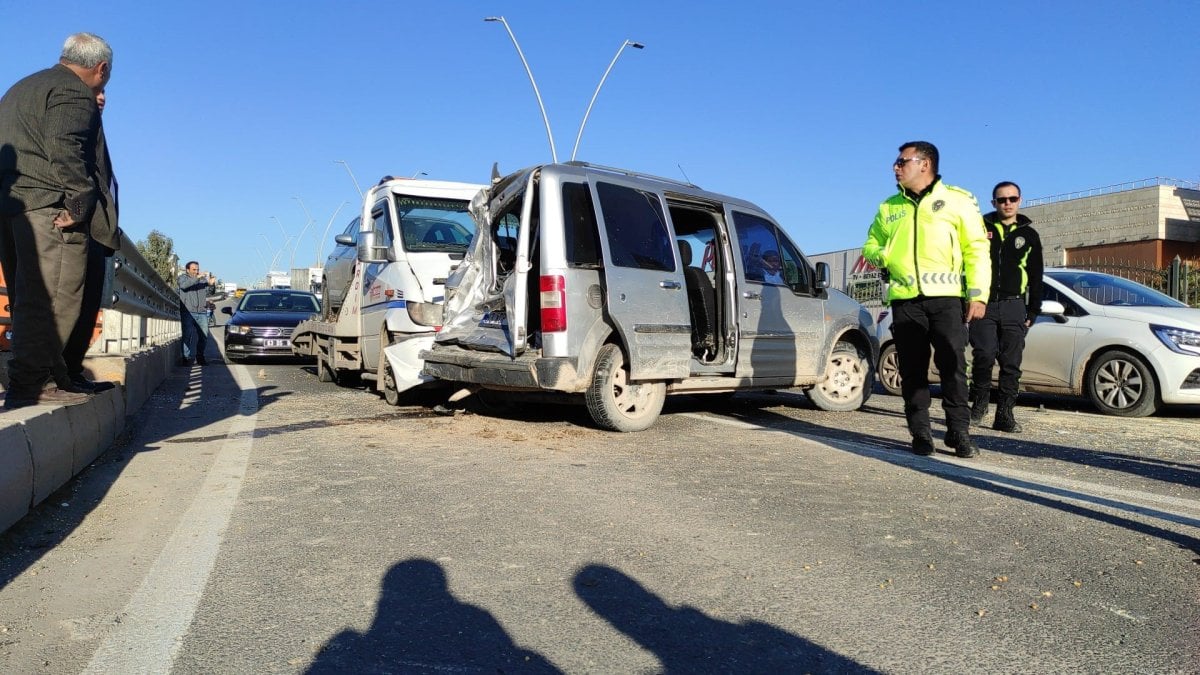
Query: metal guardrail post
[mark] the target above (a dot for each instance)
(140, 309)
(1173, 280)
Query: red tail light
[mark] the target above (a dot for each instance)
(554, 303)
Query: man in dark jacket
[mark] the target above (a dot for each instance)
(1016, 301)
(52, 199)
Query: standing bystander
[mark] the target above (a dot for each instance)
(93, 284)
(193, 312)
(1016, 300)
(930, 241)
(52, 199)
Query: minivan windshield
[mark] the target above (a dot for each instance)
(428, 224)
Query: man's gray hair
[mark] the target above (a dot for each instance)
(87, 50)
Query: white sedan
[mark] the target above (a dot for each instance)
(1127, 347)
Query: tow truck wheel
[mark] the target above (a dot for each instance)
(387, 382)
(325, 371)
(617, 404)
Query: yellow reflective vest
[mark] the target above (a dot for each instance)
(932, 245)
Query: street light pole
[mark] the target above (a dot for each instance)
(321, 243)
(627, 43)
(538, 94)
(356, 187)
(304, 229)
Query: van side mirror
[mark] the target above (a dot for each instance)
(344, 240)
(822, 275)
(369, 249)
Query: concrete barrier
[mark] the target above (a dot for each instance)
(43, 447)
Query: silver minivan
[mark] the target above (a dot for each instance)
(625, 287)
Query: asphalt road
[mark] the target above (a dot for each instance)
(255, 520)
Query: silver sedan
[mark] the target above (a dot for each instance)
(1127, 347)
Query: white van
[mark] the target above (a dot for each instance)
(626, 287)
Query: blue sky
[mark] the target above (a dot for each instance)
(221, 113)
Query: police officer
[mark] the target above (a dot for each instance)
(1016, 300)
(930, 241)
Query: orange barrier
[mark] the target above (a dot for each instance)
(99, 327)
(5, 317)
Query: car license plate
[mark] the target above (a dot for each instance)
(277, 343)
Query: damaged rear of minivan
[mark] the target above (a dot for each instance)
(623, 288)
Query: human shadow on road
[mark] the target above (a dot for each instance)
(980, 476)
(686, 640)
(420, 627)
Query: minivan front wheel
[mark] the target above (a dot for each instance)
(617, 404)
(847, 383)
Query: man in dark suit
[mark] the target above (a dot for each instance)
(53, 197)
(93, 286)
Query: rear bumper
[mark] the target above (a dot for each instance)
(526, 372)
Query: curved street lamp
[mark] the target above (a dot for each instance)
(302, 231)
(321, 241)
(345, 164)
(538, 94)
(627, 43)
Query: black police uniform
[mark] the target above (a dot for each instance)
(1016, 297)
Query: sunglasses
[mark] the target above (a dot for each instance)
(1006, 200)
(901, 161)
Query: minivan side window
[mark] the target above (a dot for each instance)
(767, 257)
(636, 228)
(579, 218)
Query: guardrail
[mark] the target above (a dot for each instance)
(139, 309)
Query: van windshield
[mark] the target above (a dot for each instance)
(428, 224)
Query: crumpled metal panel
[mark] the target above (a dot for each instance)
(468, 290)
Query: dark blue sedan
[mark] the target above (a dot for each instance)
(262, 323)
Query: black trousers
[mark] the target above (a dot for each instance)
(936, 324)
(1000, 334)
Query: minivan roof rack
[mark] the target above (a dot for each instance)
(627, 172)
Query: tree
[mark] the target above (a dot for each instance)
(159, 250)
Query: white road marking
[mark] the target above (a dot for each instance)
(1164, 507)
(160, 611)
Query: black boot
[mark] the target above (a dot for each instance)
(963, 444)
(1004, 416)
(979, 407)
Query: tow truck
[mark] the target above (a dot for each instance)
(412, 234)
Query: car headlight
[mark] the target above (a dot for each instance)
(238, 330)
(425, 313)
(1178, 340)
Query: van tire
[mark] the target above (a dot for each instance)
(616, 404)
(848, 380)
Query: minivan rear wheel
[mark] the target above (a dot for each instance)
(617, 404)
(847, 384)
